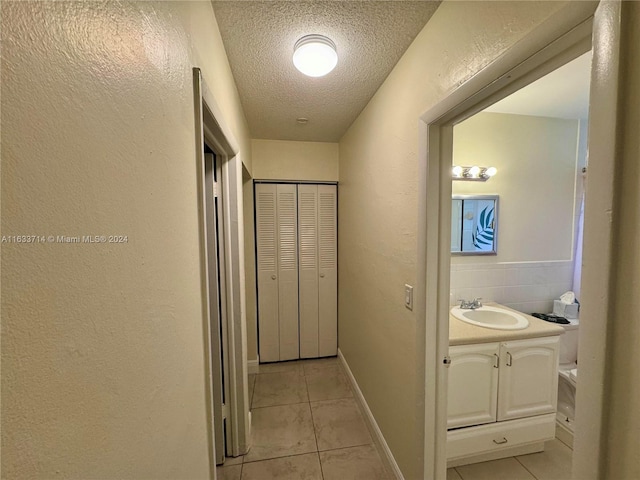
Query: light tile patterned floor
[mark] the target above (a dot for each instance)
(306, 425)
(552, 464)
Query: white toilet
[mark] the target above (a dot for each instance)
(567, 378)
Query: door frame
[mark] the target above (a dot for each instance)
(211, 128)
(565, 36)
(214, 227)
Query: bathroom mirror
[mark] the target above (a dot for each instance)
(474, 224)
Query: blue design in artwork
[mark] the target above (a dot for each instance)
(483, 236)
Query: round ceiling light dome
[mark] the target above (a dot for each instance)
(315, 55)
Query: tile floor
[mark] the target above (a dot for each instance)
(552, 464)
(306, 425)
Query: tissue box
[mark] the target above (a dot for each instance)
(564, 310)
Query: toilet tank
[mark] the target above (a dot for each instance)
(569, 343)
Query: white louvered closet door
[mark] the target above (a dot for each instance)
(267, 266)
(308, 247)
(296, 240)
(328, 270)
(287, 221)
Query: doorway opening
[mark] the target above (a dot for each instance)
(222, 264)
(534, 141)
(500, 79)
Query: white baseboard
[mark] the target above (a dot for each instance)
(376, 433)
(253, 366)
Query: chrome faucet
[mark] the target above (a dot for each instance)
(470, 304)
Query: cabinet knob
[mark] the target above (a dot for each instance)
(273, 277)
(322, 275)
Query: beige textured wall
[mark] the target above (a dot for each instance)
(536, 158)
(623, 427)
(102, 345)
(378, 204)
(288, 160)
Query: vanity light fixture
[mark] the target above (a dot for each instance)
(473, 173)
(315, 55)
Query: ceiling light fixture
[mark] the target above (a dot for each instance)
(315, 55)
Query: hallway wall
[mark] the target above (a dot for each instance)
(378, 201)
(102, 344)
(289, 160)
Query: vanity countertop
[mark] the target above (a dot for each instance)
(462, 333)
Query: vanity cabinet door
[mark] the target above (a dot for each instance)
(473, 385)
(528, 377)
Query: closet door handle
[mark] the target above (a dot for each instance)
(496, 361)
(509, 360)
(273, 277)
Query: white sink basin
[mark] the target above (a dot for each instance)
(491, 317)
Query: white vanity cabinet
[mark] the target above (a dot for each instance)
(473, 384)
(501, 396)
(528, 378)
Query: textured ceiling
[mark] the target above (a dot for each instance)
(370, 37)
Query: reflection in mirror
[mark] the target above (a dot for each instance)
(474, 224)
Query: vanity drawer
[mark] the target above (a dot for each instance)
(500, 435)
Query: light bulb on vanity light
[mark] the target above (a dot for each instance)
(491, 171)
(474, 171)
(457, 171)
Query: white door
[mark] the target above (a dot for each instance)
(296, 241)
(308, 245)
(277, 258)
(267, 272)
(317, 233)
(287, 222)
(473, 385)
(528, 377)
(328, 270)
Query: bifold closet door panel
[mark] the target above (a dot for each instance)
(267, 252)
(287, 222)
(308, 248)
(328, 270)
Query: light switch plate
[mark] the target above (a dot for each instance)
(408, 296)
